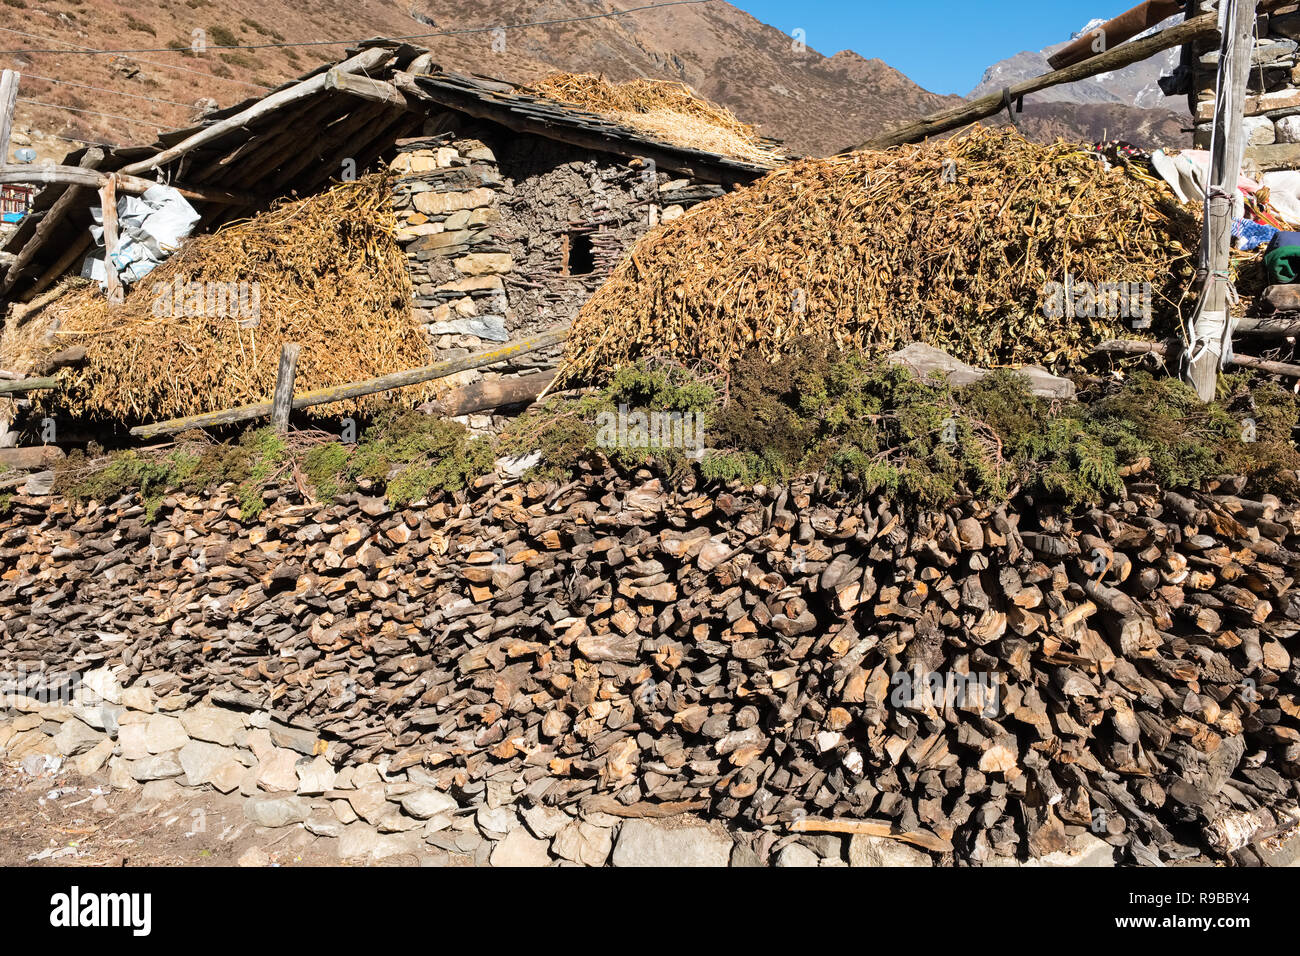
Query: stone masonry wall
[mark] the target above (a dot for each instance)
(1273, 106)
(509, 235)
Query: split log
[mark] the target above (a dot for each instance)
(498, 393)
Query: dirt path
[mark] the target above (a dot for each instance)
(62, 818)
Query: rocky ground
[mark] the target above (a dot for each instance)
(146, 789)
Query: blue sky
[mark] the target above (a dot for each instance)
(944, 45)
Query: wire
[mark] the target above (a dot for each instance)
(412, 36)
(82, 142)
(74, 109)
(97, 89)
(164, 66)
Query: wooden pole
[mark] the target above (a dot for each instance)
(1132, 347)
(9, 80)
(10, 386)
(129, 185)
(1190, 31)
(1114, 32)
(113, 283)
(1210, 331)
(340, 393)
(282, 402)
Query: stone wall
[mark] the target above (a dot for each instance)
(1273, 107)
(508, 235)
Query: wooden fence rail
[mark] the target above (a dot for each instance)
(340, 393)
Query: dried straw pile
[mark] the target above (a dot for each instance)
(329, 275)
(875, 249)
(671, 112)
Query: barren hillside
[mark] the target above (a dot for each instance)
(815, 103)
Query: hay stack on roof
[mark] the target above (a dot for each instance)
(670, 111)
(951, 243)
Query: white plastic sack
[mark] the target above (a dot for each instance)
(1284, 194)
(1188, 171)
(149, 228)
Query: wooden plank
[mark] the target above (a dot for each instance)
(340, 393)
(9, 80)
(877, 828)
(282, 401)
(1212, 323)
(377, 91)
(30, 456)
(112, 282)
(364, 61)
(1198, 28)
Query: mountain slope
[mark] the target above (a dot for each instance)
(817, 104)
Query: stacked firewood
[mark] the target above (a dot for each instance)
(980, 681)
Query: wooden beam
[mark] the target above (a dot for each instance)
(127, 184)
(1211, 326)
(366, 60)
(1268, 326)
(341, 393)
(12, 386)
(1114, 32)
(282, 401)
(377, 91)
(1198, 28)
(108, 203)
(1131, 347)
(9, 80)
(483, 396)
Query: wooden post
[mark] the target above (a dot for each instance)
(108, 201)
(282, 402)
(8, 100)
(1210, 331)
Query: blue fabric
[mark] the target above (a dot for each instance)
(1284, 239)
(1252, 235)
